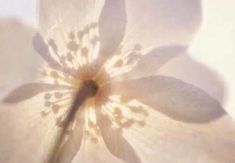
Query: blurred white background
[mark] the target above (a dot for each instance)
(23, 9)
(214, 44)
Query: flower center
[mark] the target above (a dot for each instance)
(89, 88)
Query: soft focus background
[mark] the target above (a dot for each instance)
(214, 45)
(17, 26)
(23, 9)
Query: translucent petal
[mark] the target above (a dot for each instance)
(28, 133)
(114, 140)
(150, 63)
(59, 18)
(61, 15)
(18, 60)
(30, 90)
(66, 150)
(91, 152)
(185, 68)
(155, 23)
(43, 50)
(112, 25)
(173, 97)
(165, 140)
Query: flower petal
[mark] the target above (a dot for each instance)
(43, 50)
(173, 97)
(154, 23)
(59, 18)
(70, 145)
(26, 135)
(183, 66)
(64, 15)
(112, 25)
(150, 63)
(91, 152)
(165, 140)
(18, 60)
(114, 140)
(27, 91)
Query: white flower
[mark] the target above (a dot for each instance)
(98, 97)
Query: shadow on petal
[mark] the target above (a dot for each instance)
(27, 91)
(173, 97)
(19, 61)
(70, 145)
(183, 66)
(162, 22)
(150, 63)
(43, 50)
(114, 141)
(70, 139)
(112, 25)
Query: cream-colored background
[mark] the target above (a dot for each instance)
(214, 45)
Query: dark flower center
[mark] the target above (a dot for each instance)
(89, 88)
